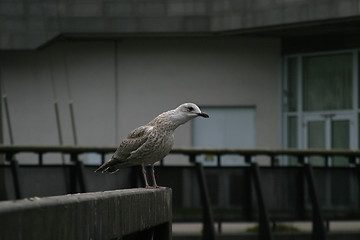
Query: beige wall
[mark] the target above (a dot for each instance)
(117, 86)
(155, 75)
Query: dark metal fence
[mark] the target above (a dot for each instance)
(268, 193)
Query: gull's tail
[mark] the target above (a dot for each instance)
(109, 166)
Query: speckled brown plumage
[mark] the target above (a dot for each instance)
(151, 142)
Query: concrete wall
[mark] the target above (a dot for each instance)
(209, 72)
(32, 80)
(117, 86)
(29, 24)
(101, 215)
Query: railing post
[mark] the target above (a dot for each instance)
(300, 194)
(162, 232)
(264, 223)
(15, 174)
(135, 177)
(327, 160)
(81, 176)
(248, 204)
(14, 164)
(102, 158)
(218, 160)
(73, 182)
(357, 169)
(208, 218)
(77, 175)
(274, 161)
(41, 158)
(319, 232)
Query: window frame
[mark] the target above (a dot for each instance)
(301, 115)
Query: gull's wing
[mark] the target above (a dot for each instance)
(130, 144)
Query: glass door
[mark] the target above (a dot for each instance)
(321, 103)
(341, 135)
(328, 131)
(315, 136)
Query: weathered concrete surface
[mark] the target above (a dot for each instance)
(100, 215)
(290, 236)
(29, 24)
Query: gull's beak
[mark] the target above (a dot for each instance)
(202, 114)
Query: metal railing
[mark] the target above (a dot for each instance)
(78, 181)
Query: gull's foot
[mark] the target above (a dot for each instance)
(154, 187)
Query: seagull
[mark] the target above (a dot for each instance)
(151, 142)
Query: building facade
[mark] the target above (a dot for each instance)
(276, 73)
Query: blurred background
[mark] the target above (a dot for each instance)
(272, 74)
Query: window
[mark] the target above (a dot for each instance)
(227, 127)
(327, 82)
(320, 104)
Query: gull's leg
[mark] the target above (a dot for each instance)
(144, 174)
(153, 177)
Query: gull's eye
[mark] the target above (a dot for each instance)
(190, 109)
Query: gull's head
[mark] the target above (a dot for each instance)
(186, 112)
(190, 110)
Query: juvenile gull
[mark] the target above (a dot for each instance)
(152, 142)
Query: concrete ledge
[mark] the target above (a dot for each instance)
(100, 215)
(298, 236)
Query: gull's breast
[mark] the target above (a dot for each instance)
(161, 146)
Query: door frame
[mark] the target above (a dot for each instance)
(301, 115)
(328, 117)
